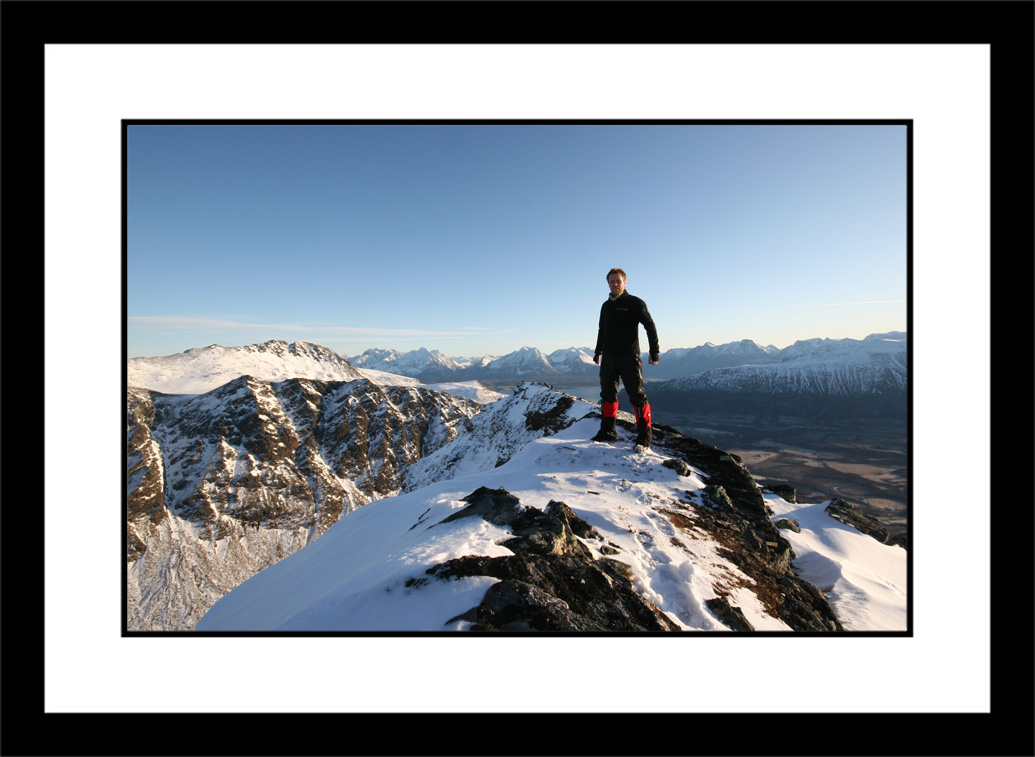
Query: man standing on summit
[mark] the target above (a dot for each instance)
(618, 355)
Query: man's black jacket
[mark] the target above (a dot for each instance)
(618, 332)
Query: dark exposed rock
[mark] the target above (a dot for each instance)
(572, 593)
(552, 582)
(578, 526)
(805, 607)
(851, 515)
(786, 491)
(678, 466)
(145, 500)
(900, 540)
(551, 419)
(730, 616)
(718, 497)
(496, 506)
(519, 606)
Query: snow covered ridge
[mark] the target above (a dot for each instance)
(224, 486)
(200, 370)
(563, 534)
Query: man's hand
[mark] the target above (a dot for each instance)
(596, 359)
(655, 360)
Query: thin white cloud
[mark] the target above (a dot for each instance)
(186, 323)
(871, 302)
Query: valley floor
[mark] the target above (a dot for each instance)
(864, 462)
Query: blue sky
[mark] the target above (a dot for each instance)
(480, 239)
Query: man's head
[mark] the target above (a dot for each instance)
(616, 280)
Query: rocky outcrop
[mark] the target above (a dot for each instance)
(851, 515)
(555, 582)
(731, 509)
(552, 582)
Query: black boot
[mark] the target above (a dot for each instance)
(607, 431)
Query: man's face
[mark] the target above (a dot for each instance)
(616, 283)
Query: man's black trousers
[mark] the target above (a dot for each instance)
(627, 368)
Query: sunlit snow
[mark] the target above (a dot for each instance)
(355, 577)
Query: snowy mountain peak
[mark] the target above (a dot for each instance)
(573, 361)
(201, 370)
(744, 345)
(375, 357)
(525, 363)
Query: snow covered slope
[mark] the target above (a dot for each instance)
(369, 572)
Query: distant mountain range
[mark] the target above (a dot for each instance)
(816, 378)
(877, 363)
(529, 363)
(525, 364)
(843, 356)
